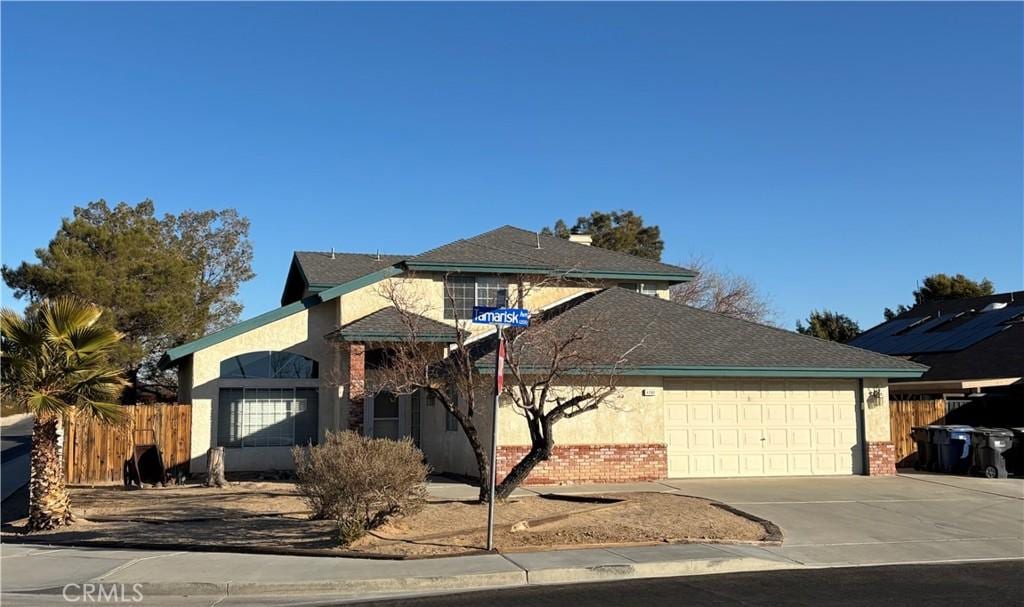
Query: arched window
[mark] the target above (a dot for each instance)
(269, 365)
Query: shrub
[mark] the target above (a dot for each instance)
(360, 482)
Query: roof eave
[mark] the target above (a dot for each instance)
(174, 354)
(428, 266)
(391, 337)
(718, 371)
(178, 352)
(358, 283)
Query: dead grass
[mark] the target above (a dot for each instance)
(270, 516)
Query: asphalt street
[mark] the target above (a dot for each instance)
(995, 584)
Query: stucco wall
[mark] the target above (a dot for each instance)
(424, 295)
(301, 333)
(875, 399)
(627, 417)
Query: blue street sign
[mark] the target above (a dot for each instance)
(511, 317)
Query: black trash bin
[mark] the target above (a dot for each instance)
(989, 446)
(1015, 456)
(927, 456)
(954, 448)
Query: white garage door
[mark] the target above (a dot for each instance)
(771, 427)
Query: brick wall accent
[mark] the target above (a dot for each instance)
(881, 459)
(599, 463)
(356, 386)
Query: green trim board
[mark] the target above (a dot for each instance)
(255, 322)
(384, 337)
(266, 318)
(546, 271)
(808, 372)
(363, 281)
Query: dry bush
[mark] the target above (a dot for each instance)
(360, 482)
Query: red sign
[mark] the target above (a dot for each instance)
(500, 369)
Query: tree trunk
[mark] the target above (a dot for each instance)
(540, 451)
(215, 467)
(482, 463)
(49, 504)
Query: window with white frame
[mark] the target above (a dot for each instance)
(647, 288)
(266, 417)
(462, 293)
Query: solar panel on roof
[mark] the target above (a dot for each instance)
(931, 336)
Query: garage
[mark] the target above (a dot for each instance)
(761, 427)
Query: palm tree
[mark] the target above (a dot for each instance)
(55, 364)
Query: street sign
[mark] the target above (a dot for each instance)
(509, 317)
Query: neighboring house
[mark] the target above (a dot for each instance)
(703, 395)
(973, 347)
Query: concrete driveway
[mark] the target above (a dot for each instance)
(858, 520)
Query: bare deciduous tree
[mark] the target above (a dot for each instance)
(555, 370)
(558, 369)
(723, 292)
(446, 373)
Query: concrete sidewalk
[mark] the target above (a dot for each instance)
(38, 571)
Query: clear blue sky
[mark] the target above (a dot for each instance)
(834, 153)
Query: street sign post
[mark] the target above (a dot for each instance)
(500, 318)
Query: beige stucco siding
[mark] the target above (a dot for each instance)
(625, 417)
(300, 333)
(424, 294)
(875, 399)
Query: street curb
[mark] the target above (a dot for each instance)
(572, 575)
(473, 581)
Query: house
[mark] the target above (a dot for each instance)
(704, 394)
(974, 350)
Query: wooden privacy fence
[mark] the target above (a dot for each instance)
(904, 415)
(95, 452)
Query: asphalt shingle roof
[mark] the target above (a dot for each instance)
(388, 324)
(323, 270)
(512, 246)
(671, 334)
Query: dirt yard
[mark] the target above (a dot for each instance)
(270, 516)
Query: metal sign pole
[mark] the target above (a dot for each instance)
(498, 369)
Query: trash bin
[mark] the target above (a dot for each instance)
(1015, 456)
(936, 435)
(926, 458)
(954, 448)
(989, 446)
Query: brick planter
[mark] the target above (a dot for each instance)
(600, 463)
